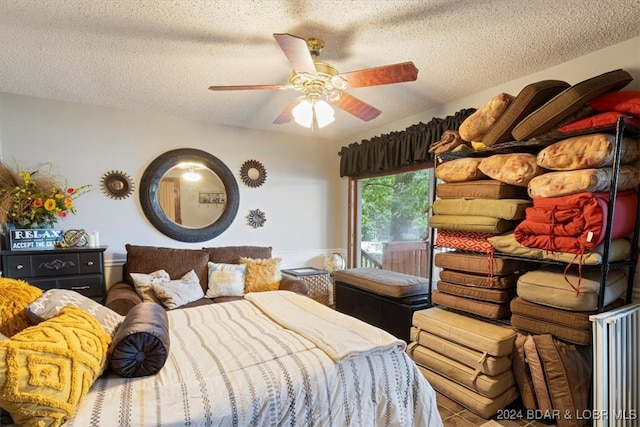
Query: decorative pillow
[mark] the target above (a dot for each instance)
(15, 295)
(176, 262)
(460, 170)
(143, 284)
(141, 346)
(514, 168)
(608, 119)
(587, 151)
(226, 280)
(175, 293)
(47, 370)
(263, 274)
(568, 102)
(53, 300)
(624, 101)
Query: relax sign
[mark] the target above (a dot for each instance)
(34, 239)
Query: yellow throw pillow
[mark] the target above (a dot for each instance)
(15, 295)
(262, 274)
(46, 370)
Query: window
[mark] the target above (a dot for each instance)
(388, 220)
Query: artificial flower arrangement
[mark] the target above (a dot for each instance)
(34, 200)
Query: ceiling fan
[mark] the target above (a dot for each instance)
(319, 81)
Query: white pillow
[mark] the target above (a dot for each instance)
(174, 293)
(144, 284)
(225, 280)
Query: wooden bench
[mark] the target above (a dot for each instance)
(382, 298)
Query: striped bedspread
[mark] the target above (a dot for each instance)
(231, 365)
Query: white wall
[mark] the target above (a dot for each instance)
(82, 143)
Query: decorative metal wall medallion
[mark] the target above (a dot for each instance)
(252, 173)
(117, 185)
(256, 218)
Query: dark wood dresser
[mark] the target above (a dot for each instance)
(80, 269)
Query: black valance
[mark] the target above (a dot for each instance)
(397, 149)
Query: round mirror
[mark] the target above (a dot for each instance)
(189, 195)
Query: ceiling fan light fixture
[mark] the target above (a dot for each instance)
(324, 113)
(306, 112)
(303, 114)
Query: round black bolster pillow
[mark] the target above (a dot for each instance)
(141, 344)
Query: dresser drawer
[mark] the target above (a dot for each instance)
(88, 285)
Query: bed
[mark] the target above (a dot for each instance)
(274, 358)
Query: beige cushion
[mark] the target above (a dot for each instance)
(262, 274)
(480, 189)
(479, 263)
(486, 309)
(480, 405)
(564, 183)
(619, 249)
(480, 335)
(488, 386)
(460, 170)
(587, 151)
(478, 224)
(504, 208)
(474, 127)
(513, 168)
(548, 286)
(53, 300)
(225, 280)
(530, 98)
(477, 292)
(537, 375)
(522, 374)
(568, 102)
(475, 359)
(483, 280)
(383, 282)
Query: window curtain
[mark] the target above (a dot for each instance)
(397, 149)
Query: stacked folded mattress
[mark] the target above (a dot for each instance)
(477, 283)
(468, 360)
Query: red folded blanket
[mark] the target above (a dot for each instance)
(577, 222)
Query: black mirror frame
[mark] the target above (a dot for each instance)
(154, 213)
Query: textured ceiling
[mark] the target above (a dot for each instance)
(161, 56)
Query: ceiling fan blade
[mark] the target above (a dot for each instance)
(250, 87)
(355, 106)
(297, 52)
(387, 74)
(286, 116)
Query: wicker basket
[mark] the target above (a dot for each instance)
(319, 282)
